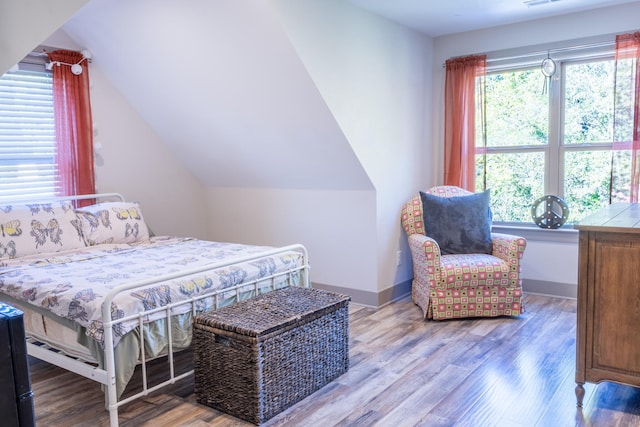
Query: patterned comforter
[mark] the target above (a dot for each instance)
(72, 285)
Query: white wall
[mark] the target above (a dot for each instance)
(555, 262)
(547, 260)
(373, 75)
(336, 227)
(136, 162)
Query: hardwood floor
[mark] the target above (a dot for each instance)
(405, 371)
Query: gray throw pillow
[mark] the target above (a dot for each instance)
(461, 224)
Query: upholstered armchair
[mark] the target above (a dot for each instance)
(467, 278)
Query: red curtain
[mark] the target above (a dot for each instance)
(73, 123)
(626, 120)
(460, 119)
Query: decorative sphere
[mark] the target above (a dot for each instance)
(76, 69)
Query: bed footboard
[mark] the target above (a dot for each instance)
(297, 276)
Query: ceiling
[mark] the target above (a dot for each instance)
(438, 18)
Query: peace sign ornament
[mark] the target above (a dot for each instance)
(550, 212)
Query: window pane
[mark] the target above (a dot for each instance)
(621, 185)
(588, 102)
(27, 135)
(579, 108)
(586, 182)
(517, 111)
(516, 180)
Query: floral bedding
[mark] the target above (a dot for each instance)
(72, 284)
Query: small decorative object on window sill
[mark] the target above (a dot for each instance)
(550, 212)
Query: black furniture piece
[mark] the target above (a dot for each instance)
(16, 398)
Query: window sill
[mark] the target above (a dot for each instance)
(566, 234)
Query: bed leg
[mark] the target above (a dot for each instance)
(113, 417)
(110, 395)
(113, 412)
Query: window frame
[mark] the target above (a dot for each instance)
(555, 150)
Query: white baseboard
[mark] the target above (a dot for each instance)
(553, 289)
(380, 299)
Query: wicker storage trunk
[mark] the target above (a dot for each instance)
(258, 357)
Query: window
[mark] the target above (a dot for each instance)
(541, 142)
(27, 134)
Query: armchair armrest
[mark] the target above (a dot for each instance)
(425, 251)
(509, 248)
(425, 254)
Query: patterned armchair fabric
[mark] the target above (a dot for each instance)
(462, 285)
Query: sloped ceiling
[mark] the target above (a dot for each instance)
(223, 87)
(25, 23)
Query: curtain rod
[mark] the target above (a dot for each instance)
(556, 50)
(547, 51)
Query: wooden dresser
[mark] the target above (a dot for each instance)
(608, 332)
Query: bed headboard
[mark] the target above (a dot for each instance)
(45, 225)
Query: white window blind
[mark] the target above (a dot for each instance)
(27, 135)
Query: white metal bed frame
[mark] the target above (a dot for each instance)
(107, 376)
